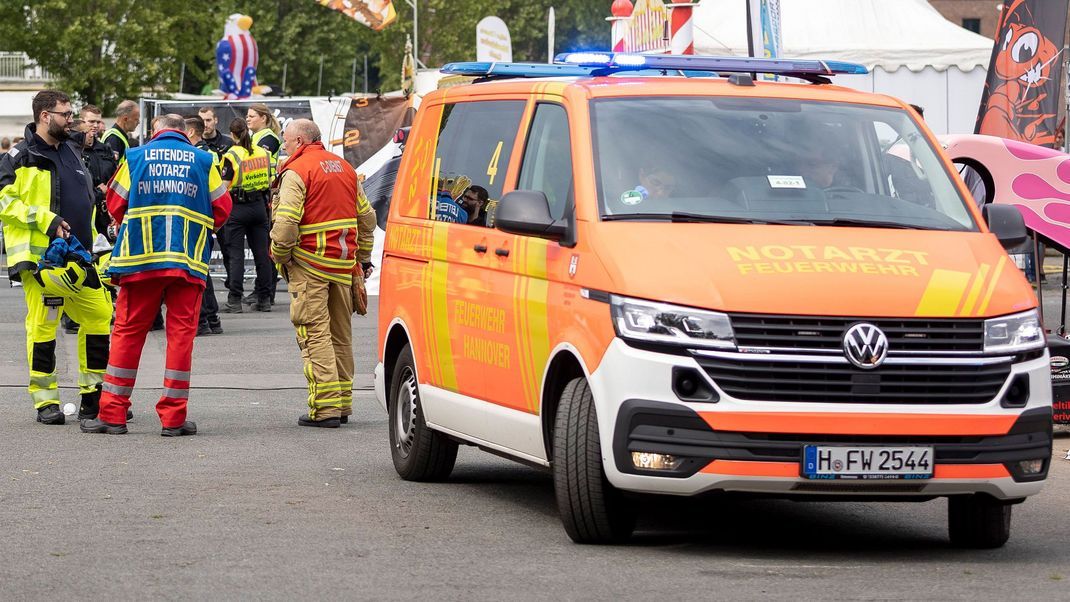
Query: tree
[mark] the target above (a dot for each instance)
(295, 34)
(102, 51)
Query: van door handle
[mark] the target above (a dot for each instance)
(480, 248)
(501, 252)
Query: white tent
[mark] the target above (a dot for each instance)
(912, 52)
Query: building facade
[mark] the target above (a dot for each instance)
(979, 16)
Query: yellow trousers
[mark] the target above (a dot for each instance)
(92, 310)
(322, 313)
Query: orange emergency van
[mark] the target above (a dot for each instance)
(682, 280)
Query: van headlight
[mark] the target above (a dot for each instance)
(650, 322)
(1018, 332)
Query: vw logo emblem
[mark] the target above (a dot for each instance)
(865, 346)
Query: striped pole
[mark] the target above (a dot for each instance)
(622, 13)
(682, 36)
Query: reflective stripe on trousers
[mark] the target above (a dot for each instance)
(92, 309)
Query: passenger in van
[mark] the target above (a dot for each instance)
(447, 205)
(905, 183)
(474, 201)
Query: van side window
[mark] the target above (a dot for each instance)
(475, 142)
(547, 165)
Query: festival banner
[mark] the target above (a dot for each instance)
(493, 44)
(771, 38)
(376, 14)
(647, 29)
(370, 125)
(763, 34)
(1023, 94)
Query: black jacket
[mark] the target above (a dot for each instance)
(220, 144)
(101, 163)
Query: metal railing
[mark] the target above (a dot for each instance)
(17, 67)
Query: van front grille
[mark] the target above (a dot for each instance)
(816, 333)
(839, 382)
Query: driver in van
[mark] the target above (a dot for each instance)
(656, 182)
(820, 165)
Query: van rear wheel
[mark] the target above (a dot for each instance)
(978, 521)
(592, 510)
(419, 453)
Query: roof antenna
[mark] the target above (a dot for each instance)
(741, 79)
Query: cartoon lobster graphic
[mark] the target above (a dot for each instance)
(1022, 66)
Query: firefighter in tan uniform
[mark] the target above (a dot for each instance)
(322, 241)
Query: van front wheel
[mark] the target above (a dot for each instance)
(978, 521)
(592, 510)
(419, 453)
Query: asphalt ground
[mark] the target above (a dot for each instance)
(255, 507)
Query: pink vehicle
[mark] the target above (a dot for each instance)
(1037, 180)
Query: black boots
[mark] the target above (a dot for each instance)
(50, 414)
(326, 423)
(209, 327)
(90, 405)
(231, 307)
(188, 428)
(101, 427)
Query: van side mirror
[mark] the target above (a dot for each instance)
(527, 212)
(1006, 222)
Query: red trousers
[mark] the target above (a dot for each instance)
(135, 309)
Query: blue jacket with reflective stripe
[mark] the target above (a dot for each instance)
(169, 185)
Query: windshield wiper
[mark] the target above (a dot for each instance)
(695, 218)
(623, 217)
(866, 223)
(678, 216)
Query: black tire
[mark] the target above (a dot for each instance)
(419, 453)
(592, 510)
(978, 521)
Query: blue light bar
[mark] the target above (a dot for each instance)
(724, 64)
(590, 64)
(485, 69)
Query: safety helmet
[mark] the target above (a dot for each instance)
(65, 280)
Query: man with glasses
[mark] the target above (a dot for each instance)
(46, 193)
(474, 200)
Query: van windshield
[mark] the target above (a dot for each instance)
(765, 160)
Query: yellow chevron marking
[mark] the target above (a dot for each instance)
(975, 290)
(992, 285)
(943, 293)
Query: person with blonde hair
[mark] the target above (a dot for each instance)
(265, 130)
(246, 168)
